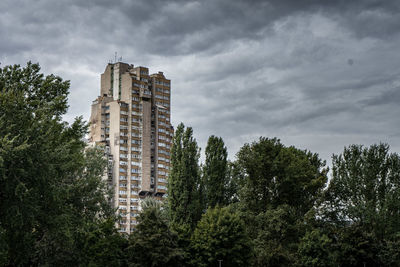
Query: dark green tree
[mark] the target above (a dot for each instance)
(389, 255)
(362, 205)
(365, 190)
(184, 183)
(275, 175)
(275, 234)
(220, 235)
(215, 173)
(316, 250)
(102, 245)
(50, 189)
(152, 243)
(279, 185)
(234, 183)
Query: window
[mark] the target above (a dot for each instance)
(136, 142)
(136, 149)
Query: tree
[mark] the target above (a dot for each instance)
(102, 245)
(215, 173)
(50, 188)
(365, 190)
(275, 235)
(152, 243)
(278, 186)
(220, 235)
(234, 183)
(275, 175)
(362, 205)
(184, 180)
(316, 249)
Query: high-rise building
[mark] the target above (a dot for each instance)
(131, 119)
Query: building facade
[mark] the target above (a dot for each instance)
(131, 119)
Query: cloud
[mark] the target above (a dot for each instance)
(239, 69)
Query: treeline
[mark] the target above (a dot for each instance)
(272, 206)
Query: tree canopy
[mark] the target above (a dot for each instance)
(184, 194)
(50, 187)
(215, 173)
(153, 243)
(275, 175)
(220, 235)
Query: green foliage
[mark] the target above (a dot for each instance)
(153, 243)
(220, 235)
(234, 183)
(365, 190)
(3, 248)
(102, 245)
(275, 175)
(184, 183)
(50, 189)
(389, 255)
(215, 172)
(357, 247)
(315, 249)
(275, 233)
(278, 186)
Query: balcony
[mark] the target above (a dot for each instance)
(144, 93)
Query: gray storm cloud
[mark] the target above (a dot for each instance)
(318, 76)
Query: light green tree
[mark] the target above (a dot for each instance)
(220, 235)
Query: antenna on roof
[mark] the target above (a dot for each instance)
(115, 57)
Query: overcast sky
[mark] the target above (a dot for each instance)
(317, 76)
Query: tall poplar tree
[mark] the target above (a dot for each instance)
(215, 174)
(184, 194)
